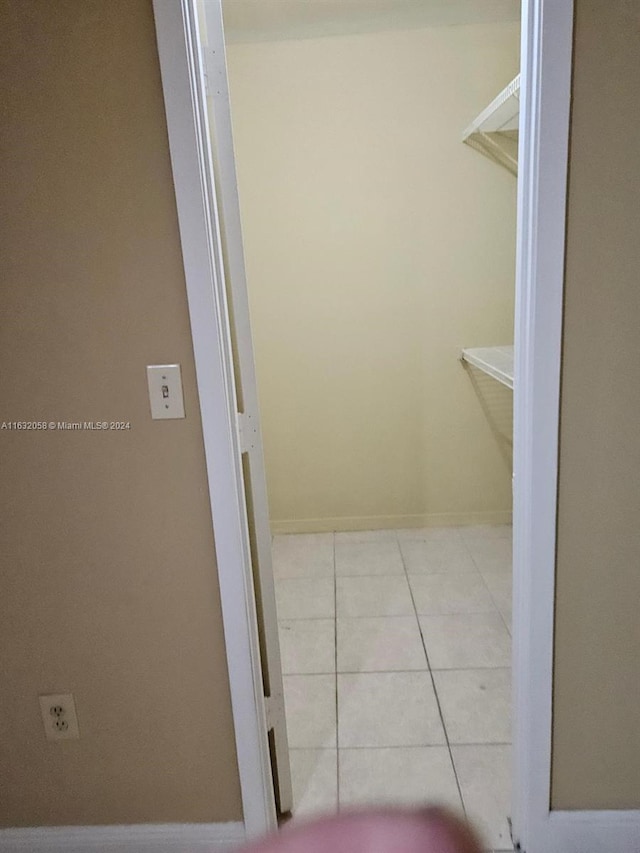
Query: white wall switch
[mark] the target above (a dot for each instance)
(165, 391)
(59, 716)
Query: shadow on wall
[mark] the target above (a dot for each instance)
(496, 402)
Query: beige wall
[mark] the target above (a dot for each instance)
(596, 737)
(108, 578)
(377, 247)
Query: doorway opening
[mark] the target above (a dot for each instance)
(192, 59)
(380, 257)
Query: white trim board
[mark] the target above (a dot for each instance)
(588, 832)
(138, 838)
(185, 105)
(249, 426)
(545, 93)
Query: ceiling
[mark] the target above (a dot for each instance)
(267, 20)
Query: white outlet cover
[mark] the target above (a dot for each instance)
(165, 391)
(59, 716)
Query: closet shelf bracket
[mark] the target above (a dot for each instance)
(495, 131)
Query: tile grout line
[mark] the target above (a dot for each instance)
(335, 657)
(480, 572)
(387, 574)
(495, 603)
(397, 746)
(504, 621)
(399, 616)
(405, 671)
(433, 683)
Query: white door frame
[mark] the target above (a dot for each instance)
(221, 132)
(543, 157)
(177, 31)
(545, 92)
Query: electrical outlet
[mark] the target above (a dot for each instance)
(59, 716)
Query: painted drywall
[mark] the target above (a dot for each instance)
(377, 246)
(255, 20)
(108, 576)
(596, 738)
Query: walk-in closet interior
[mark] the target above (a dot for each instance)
(376, 154)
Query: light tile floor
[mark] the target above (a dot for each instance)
(396, 652)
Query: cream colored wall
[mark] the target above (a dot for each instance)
(377, 247)
(596, 738)
(108, 576)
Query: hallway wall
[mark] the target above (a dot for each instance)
(596, 739)
(108, 578)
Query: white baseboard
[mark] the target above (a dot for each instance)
(138, 838)
(586, 832)
(388, 522)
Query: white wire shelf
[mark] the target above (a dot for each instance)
(495, 131)
(497, 362)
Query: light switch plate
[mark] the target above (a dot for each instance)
(165, 391)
